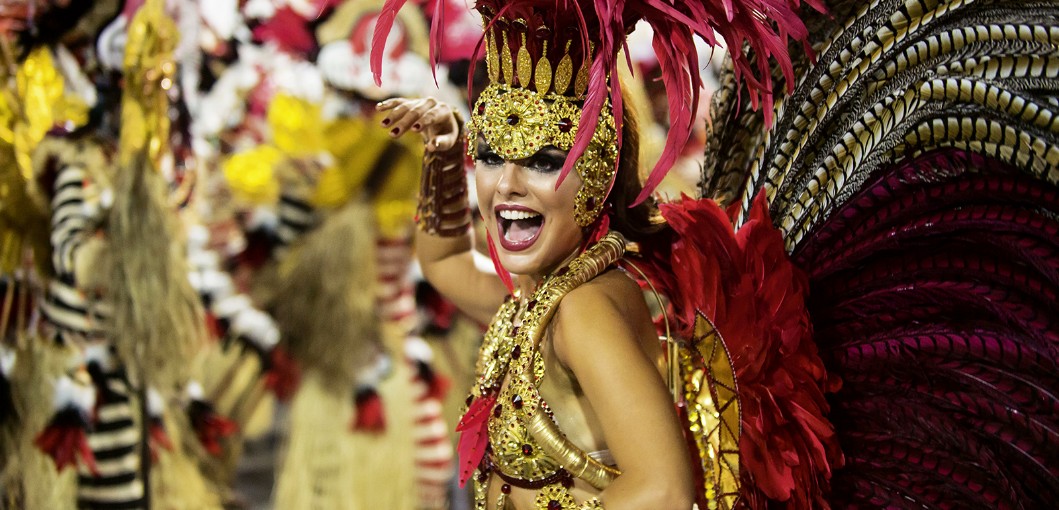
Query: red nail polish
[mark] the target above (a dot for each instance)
(395, 130)
(386, 122)
(416, 126)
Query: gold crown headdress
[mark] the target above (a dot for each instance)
(553, 73)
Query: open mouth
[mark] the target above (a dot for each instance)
(519, 227)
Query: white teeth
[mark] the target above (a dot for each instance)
(509, 214)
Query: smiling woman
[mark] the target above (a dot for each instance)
(546, 394)
(571, 388)
(540, 353)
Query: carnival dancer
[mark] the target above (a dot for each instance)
(364, 426)
(914, 183)
(116, 295)
(571, 363)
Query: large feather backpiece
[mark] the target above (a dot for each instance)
(914, 173)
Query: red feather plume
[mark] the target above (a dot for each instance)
(744, 282)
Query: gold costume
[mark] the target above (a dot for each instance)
(526, 448)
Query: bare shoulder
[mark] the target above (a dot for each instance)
(608, 311)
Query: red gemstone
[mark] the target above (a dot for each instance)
(590, 203)
(516, 352)
(527, 450)
(481, 108)
(512, 119)
(497, 410)
(506, 489)
(565, 125)
(516, 401)
(555, 505)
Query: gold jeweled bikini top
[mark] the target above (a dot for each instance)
(526, 448)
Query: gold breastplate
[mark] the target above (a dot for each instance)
(514, 452)
(526, 449)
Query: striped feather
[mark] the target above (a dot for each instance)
(914, 172)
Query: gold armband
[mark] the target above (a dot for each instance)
(576, 461)
(443, 208)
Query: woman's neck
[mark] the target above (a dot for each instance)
(526, 285)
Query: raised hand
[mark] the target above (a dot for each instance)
(435, 120)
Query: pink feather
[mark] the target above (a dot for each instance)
(378, 39)
(437, 37)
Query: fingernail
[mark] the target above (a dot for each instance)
(395, 131)
(386, 121)
(416, 127)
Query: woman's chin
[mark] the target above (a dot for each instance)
(534, 262)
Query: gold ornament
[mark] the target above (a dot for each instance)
(564, 72)
(39, 103)
(542, 77)
(713, 411)
(525, 65)
(518, 122)
(149, 72)
(553, 497)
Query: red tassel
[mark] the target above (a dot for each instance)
(213, 327)
(284, 374)
(210, 427)
(159, 438)
(370, 414)
(602, 227)
(437, 387)
(63, 442)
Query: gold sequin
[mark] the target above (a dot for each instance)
(525, 65)
(506, 64)
(492, 59)
(564, 72)
(542, 79)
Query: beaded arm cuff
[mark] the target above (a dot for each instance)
(443, 206)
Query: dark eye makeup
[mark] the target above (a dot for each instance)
(548, 159)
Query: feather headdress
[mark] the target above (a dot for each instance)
(584, 36)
